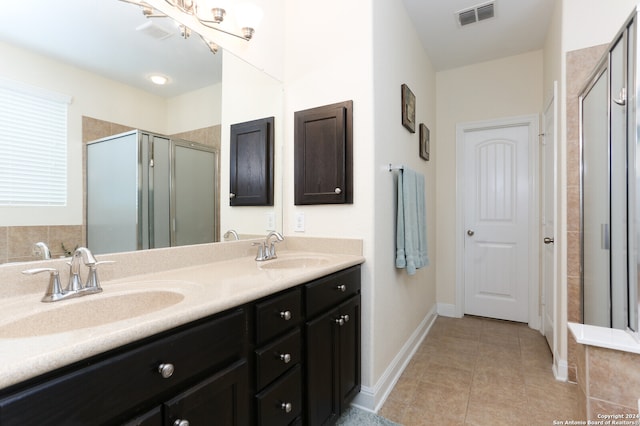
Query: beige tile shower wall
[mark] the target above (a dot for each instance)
(580, 65)
(16, 242)
(608, 381)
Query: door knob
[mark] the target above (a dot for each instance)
(548, 240)
(470, 233)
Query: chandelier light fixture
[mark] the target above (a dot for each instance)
(211, 14)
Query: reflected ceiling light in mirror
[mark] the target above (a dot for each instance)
(159, 79)
(211, 14)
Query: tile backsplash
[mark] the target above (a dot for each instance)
(17, 242)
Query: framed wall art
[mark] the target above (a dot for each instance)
(408, 109)
(424, 142)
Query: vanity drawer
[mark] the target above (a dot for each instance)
(281, 403)
(277, 357)
(277, 315)
(101, 389)
(327, 292)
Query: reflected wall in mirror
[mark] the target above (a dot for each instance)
(609, 135)
(105, 70)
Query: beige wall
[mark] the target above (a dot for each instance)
(502, 88)
(401, 302)
(93, 96)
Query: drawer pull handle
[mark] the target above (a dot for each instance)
(286, 407)
(181, 422)
(286, 315)
(342, 288)
(286, 358)
(166, 371)
(340, 321)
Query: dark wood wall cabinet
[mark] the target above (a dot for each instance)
(251, 163)
(323, 152)
(291, 358)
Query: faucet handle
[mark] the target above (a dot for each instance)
(272, 249)
(262, 251)
(54, 289)
(93, 282)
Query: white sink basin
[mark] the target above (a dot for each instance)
(87, 312)
(295, 262)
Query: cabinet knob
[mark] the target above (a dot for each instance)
(337, 191)
(166, 371)
(340, 321)
(286, 315)
(181, 422)
(342, 288)
(345, 318)
(286, 358)
(232, 195)
(286, 407)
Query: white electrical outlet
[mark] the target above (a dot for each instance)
(270, 218)
(299, 225)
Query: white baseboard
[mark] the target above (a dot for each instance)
(447, 310)
(372, 398)
(560, 370)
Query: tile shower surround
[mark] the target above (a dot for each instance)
(608, 380)
(16, 242)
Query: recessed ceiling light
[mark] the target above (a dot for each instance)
(159, 79)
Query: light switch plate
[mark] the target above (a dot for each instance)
(299, 225)
(270, 218)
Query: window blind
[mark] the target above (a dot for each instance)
(33, 146)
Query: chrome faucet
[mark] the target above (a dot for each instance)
(231, 232)
(267, 249)
(41, 250)
(75, 288)
(75, 282)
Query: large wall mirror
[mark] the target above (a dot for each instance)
(102, 54)
(609, 197)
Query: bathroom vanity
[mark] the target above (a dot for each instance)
(291, 356)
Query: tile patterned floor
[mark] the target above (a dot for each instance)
(476, 371)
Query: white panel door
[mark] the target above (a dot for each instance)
(496, 264)
(548, 223)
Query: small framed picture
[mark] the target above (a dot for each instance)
(424, 142)
(408, 109)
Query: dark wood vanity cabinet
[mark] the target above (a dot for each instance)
(251, 163)
(277, 355)
(323, 154)
(332, 345)
(208, 362)
(292, 358)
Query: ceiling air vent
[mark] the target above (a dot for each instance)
(154, 30)
(477, 13)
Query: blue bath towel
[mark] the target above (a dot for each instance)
(411, 233)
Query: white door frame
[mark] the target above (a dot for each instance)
(532, 121)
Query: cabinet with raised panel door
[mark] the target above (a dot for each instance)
(332, 331)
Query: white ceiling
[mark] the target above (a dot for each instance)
(519, 26)
(100, 36)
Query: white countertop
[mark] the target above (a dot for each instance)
(207, 289)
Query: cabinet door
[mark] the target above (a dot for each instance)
(323, 402)
(323, 155)
(349, 351)
(222, 399)
(251, 163)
